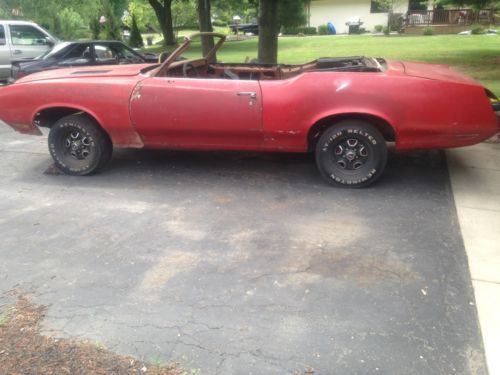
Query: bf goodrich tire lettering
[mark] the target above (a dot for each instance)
(351, 153)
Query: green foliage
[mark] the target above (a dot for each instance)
(184, 15)
(292, 13)
(386, 30)
(309, 30)
(112, 25)
(4, 318)
(294, 30)
(224, 10)
(478, 30)
(323, 30)
(70, 23)
(95, 27)
(396, 22)
(56, 26)
(379, 28)
(476, 4)
(135, 40)
(144, 15)
(428, 31)
(219, 23)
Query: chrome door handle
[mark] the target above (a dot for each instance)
(251, 94)
(17, 52)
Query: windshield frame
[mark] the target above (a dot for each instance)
(162, 69)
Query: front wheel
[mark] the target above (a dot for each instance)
(351, 153)
(78, 145)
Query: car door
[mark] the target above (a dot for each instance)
(4, 54)
(27, 41)
(198, 113)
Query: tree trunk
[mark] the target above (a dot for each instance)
(164, 16)
(205, 20)
(268, 31)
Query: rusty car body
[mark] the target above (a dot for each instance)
(343, 109)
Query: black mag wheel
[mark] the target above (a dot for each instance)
(351, 153)
(78, 145)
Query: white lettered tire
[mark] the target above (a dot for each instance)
(351, 153)
(78, 145)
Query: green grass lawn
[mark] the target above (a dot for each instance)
(476, 55)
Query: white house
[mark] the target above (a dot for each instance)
(339, 12)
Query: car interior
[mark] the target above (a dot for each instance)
(201, 68)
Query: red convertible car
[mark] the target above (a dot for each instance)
(343, 109)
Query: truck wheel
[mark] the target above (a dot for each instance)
(79, 146)
(351, 153)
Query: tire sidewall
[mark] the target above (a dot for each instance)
(75, 123)
(363, 132)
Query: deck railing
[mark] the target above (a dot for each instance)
(450, 17)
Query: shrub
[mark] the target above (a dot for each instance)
(379, 28)
(478, 30)
(428, 31)
(396, 22)
(386, 30)
(323, 30)
(294, 30)
(70, 24)
(290, 30)
(135, 40)
(219, 23)
(309, 30)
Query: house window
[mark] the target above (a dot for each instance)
(379, 7)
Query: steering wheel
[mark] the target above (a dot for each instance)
(187, 68)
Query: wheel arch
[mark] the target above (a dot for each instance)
(47, 116)
(387, 130)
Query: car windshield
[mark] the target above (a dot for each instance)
(54, 51)
(116, 51)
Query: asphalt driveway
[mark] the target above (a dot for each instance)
(237, 263)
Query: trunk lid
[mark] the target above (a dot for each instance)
(436, 72)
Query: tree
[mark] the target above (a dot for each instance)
(224, 10)
(144, 15)
(163, 12)
(135, 34)
(476, 4)
(205, 22)
(112, 29)
(268, 31)
(389, 6)
(292, 13)
(70, 23)
(274, 14)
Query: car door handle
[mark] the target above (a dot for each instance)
(251, 94)
(17, 52)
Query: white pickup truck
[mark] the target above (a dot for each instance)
(21, 40)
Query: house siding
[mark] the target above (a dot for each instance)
(339, 11)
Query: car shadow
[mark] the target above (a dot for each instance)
(130, 167)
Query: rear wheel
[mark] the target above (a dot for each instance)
(79, 146)
(351, 153)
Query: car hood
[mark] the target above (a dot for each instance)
(94, 71)
(435, 72)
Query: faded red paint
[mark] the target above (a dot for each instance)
(427, 106)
